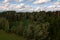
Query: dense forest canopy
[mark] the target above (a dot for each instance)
(32, 25)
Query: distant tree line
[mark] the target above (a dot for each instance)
(33, 26)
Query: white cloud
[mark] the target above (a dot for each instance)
(54, 7)
(26, 7)
(58, 0)
(29, 0)
(41, 1)
(37, 9)
(20, 6)
(18, 0)
(57, 3)
(23, 7)
(7, 6)
(6, 1)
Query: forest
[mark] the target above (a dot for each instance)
(31, 25)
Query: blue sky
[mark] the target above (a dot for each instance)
(30, 5)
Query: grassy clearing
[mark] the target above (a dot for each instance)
(7, 36)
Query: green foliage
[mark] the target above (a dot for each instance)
(4, 24)
(33, 26)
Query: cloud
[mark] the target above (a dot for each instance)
(41, 1)
(18, 0)
(6, 1)
(17, 7)
(29, 0)
(38, 9)
(54, 7)
(58, 0)
(57, 3)
(20, 6)
(23, 7)
(6, 5)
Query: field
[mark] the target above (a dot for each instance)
(9, 36)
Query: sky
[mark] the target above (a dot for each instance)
(29, 5)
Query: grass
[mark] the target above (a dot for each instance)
(7, 36)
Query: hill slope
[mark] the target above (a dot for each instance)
(7, 36)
